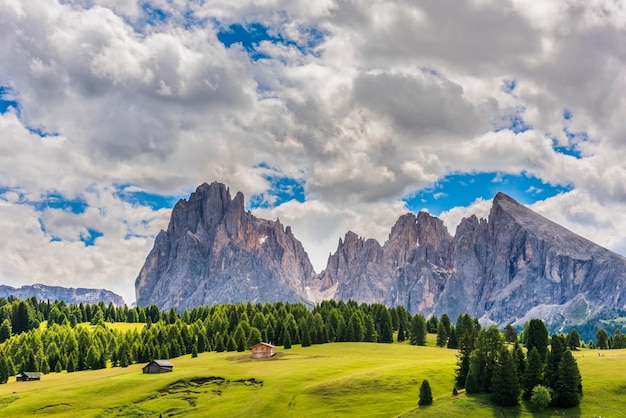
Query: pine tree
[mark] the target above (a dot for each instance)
(573, 339)
(504, 382)
(287, 341)
(401, 331)
(520, 360)
(426, 395)
(254, 337)
(305, 335)
(553, 359)
(5, 330)
(510, 334)
(194, 351)
(602, 339)
(569, 385)
(417, 334)
(442, 335)
(453, 342)
(533, 373)
(4, 369)
(537, 336)
(463, 359)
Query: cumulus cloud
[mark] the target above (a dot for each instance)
(363, 103)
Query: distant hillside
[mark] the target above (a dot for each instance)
(66, 294)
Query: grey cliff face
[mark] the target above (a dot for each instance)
(511, 267)
(66, 294)
(214, 252)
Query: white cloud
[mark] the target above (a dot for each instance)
(389, 97)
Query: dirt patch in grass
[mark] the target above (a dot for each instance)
(56, 408)
(4, 401)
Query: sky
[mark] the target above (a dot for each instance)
(329, 115)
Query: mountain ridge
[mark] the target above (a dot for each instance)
(66, 294)
(501, 269)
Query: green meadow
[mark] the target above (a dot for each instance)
(338, 379)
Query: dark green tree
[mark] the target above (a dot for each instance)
(254, 337)
(537, 336)
(417, 334)
(573, 339)
(483, 360)
(6, 331)
(305, 336)
(602, 339)
(4, 369)
(426, 395)
(505, 387)
(533, 373)
(510, 334)
(453, 341)
(442, 335)
(287, 341)
(432, 324)
(569, 385)
(466, 346)
(557, 347)
(520, 359)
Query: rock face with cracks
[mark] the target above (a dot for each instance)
(215, 252)
(511, 267)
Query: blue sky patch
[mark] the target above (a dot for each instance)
(90, 239)
(283, 189)
(567, 114)
(516, 124)
(136, 196)
(251, 35)
(154, 15)
(462, 189)
(58, 201)
(7, 100)
(508, 86)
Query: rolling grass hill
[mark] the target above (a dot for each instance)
(339, 379)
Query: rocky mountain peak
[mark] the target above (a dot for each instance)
(214, 251)
(510, 267)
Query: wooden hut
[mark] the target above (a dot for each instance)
(263, 350)
(158, 366)
(27, 376)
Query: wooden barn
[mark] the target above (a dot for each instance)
(263, 350)
(27, 376)
(158, 366)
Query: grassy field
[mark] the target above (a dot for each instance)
(341, 379)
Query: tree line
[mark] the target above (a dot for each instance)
(548, 374)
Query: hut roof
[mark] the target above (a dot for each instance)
(264, 344)
(164, 363)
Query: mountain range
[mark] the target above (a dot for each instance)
(511, 267)
(66, 294)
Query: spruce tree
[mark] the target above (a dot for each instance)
(466, 346)
(426, 395)
(505, 387)
(557, 348)
(287, 341)
(4, 369)
(453, 341)
(573, 339)
(306, 336)
(602, 339)
(520, 359)
(442, 335)
(533, 373)
(569, 384)
(537, 336)
(417, 334)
